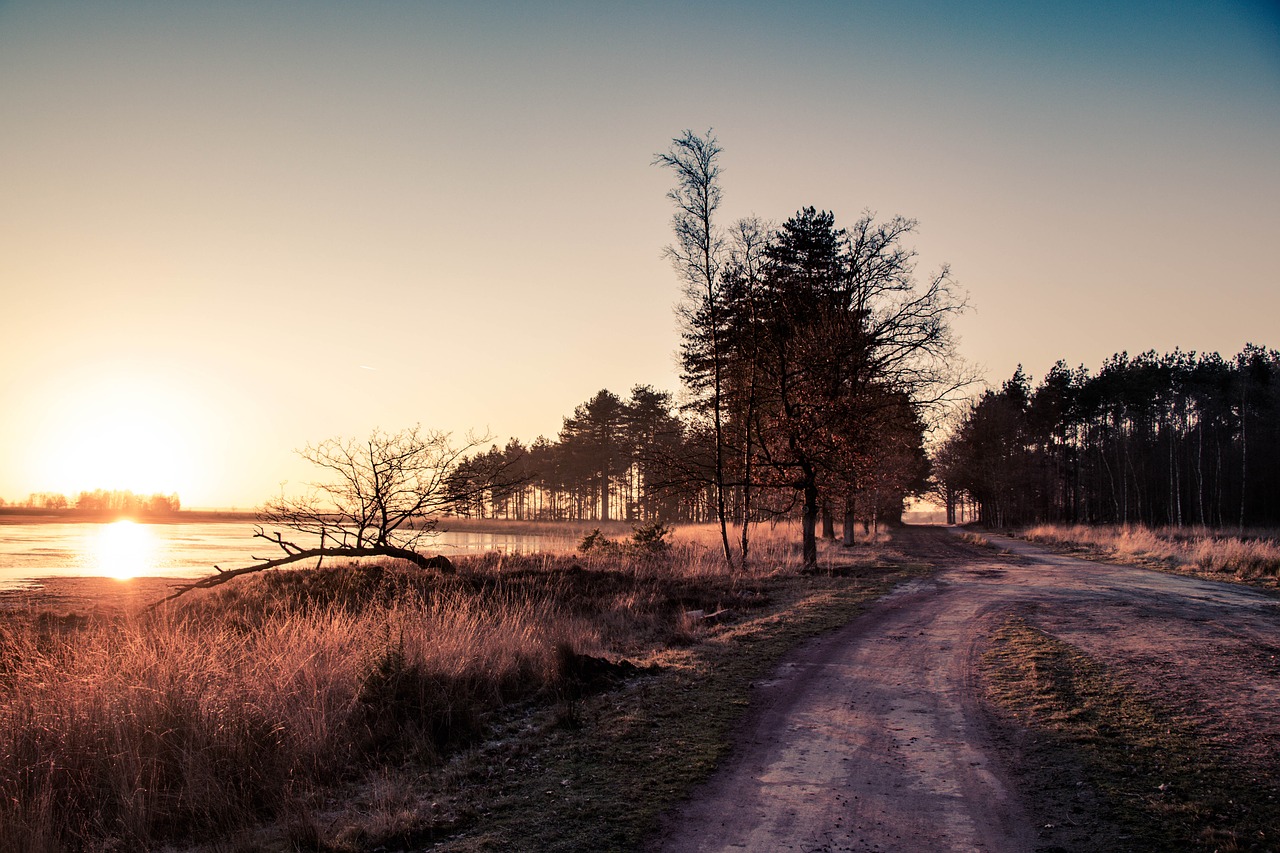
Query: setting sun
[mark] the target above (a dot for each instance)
(123, 550)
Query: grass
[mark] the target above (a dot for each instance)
(976, 539)
(1162, 785)
(344, 708)
(1253, 557)
(186, 722)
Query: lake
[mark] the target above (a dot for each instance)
(126, 549)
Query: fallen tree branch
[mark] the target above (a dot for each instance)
(294, 554)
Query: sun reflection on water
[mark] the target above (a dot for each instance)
(123, 550)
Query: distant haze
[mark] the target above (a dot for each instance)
(228, 229)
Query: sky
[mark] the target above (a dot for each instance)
(231, 229)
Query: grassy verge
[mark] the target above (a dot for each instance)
(356, 707)
(1159, 784)
(1252, 558)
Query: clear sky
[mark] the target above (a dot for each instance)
(228, 229)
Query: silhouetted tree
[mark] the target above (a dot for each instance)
(655, 438)
(381, 497)
(741, 293)
(847, 335)
(594, 439)
(126, 502)
(696, 255)
(47, 500)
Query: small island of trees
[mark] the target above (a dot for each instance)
(102, 502)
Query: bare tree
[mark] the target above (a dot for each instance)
(380, 498)
(697, 255)
(741, 282)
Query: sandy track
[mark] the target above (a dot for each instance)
(875, 737)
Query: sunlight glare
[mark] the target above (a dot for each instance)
(123, 550)
(117, 432)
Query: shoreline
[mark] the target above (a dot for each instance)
(88, 594)
(34, 515)
(461, 524)
(85, 595)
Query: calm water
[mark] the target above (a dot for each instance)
(125, 549)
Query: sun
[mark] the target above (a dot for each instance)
(123, 550)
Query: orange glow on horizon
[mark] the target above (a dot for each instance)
(117, 434)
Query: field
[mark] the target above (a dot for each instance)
(355, 706)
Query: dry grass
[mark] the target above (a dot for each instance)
(246, 704)
(976, 539)
(773, 547)
(600, 782)
(1249, 557)
(192, 720)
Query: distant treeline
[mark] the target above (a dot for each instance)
(103, 500)
(642, 459)
(615, 459)
(1169, 439)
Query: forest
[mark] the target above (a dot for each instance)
(1175, 439)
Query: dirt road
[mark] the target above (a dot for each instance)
(876, 738)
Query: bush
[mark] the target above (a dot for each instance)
(651, 538)
(596, 542)
(644, 539)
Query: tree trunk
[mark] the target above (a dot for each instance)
(848, 530)
(828, 521)
(1244, 454)
(809, 522)
(604, 495)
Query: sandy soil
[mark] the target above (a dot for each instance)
(877, 738)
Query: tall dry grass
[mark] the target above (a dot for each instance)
(773, 548)
(1253, 555)
(234, 707)
(187, 723)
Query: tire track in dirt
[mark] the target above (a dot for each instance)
(875, 738)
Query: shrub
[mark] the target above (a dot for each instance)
(597, 542)
(644, 539)
(651, 538)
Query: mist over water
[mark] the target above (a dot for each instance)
(189, 550)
